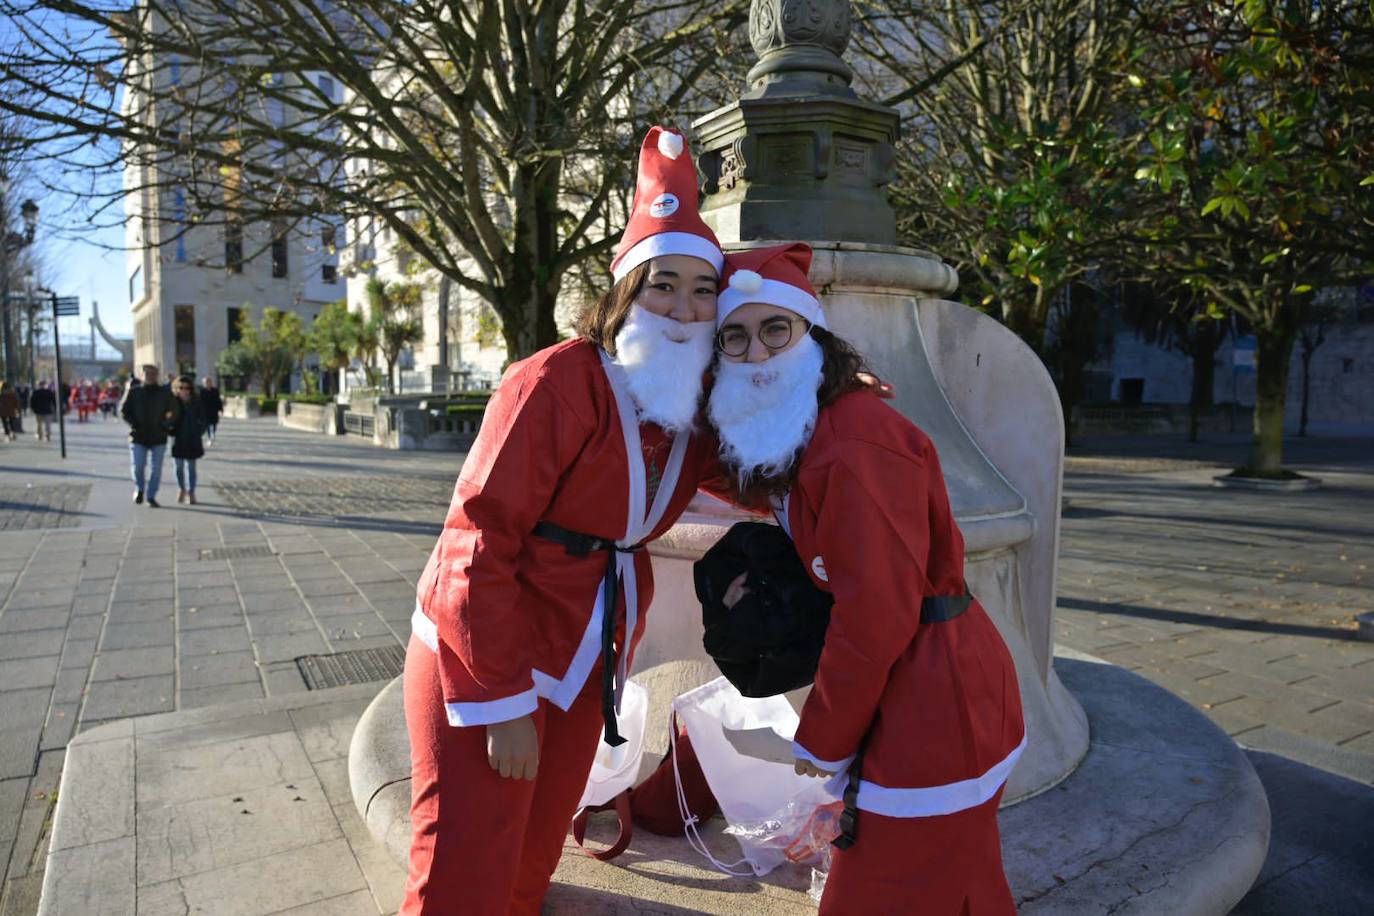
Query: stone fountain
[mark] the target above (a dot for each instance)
(1126, 797)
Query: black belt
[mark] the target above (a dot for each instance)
(935, 609)
(583, 545)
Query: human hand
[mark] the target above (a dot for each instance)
(736, 591)
(513, 748)
(807, 768)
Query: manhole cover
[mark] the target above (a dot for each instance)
(359, 666)
(236, 553)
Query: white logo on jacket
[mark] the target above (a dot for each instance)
(818, 568)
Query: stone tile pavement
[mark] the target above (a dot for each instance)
(306, 545)
(1242, 603)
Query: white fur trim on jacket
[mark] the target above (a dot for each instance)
(669, 243)
(933, 801)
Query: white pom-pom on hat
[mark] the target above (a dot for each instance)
(670, 144)
(746, 281)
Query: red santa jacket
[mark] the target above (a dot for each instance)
(514, 617)
(936, 706)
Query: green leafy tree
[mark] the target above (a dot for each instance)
(1013, 161)
(394, 306)
(237, 361)
(333, 337)
(1258, 160)
(269, 350)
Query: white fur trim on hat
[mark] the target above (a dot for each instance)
(670, 144)
(772, 292)
(669, 243)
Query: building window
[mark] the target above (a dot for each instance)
(136, 284)
(234, 333)
(184, 320)
(327, 238)
(233, 245)
(329, 273)
(179, 214)
(279, 256)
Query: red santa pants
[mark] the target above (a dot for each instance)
(483, 845)
(936, 866)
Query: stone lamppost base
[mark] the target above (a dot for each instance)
(1163, 815)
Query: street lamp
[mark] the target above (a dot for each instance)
(12, 243)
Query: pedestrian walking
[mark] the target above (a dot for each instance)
(187, 446)
(43, 403)
(213, 405)
(151, 411)
(9, 410)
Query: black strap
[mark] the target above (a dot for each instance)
(849, 818)
(943, 608)
(582, 545)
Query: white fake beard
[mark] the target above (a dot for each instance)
(664, 361)
(764, 412)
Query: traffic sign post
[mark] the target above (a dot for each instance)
(56, 303)
(67, 306)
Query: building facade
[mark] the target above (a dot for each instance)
(190, 281)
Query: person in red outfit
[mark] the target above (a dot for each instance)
(533, 600)
(915, 698)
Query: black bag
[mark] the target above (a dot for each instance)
(770, 642)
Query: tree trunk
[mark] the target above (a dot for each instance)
(1205, 345)
(1271, 368)
(1306, 384)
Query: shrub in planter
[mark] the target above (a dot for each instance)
(267, 405)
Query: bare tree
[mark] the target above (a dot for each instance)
(495, 139)
(1013, 160)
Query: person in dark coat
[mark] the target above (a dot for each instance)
(151, 411)
(9, 410)
(188, 446)
(213, 406)
(43, 403)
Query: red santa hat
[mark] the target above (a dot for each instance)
(776, 276)
(664, 217)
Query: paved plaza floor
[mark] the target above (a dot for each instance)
(303, 545)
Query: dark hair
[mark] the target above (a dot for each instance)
(842, 370)
(186, 380)
(602, 320)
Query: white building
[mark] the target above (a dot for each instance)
(189, 283)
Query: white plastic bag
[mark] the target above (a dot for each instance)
(774, 814)
(615, 768)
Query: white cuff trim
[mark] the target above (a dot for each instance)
(830, 766)
(487, 712)
(424, 629)
(490, 712)
(933, 801)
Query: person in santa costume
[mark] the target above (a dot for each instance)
(915, 697)
(532, 602)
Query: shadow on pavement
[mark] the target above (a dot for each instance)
(1320, 846)
(1205, 620)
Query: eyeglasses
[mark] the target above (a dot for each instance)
(775, 334)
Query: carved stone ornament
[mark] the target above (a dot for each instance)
(775, 24)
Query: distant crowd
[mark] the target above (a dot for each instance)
(156, 413)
